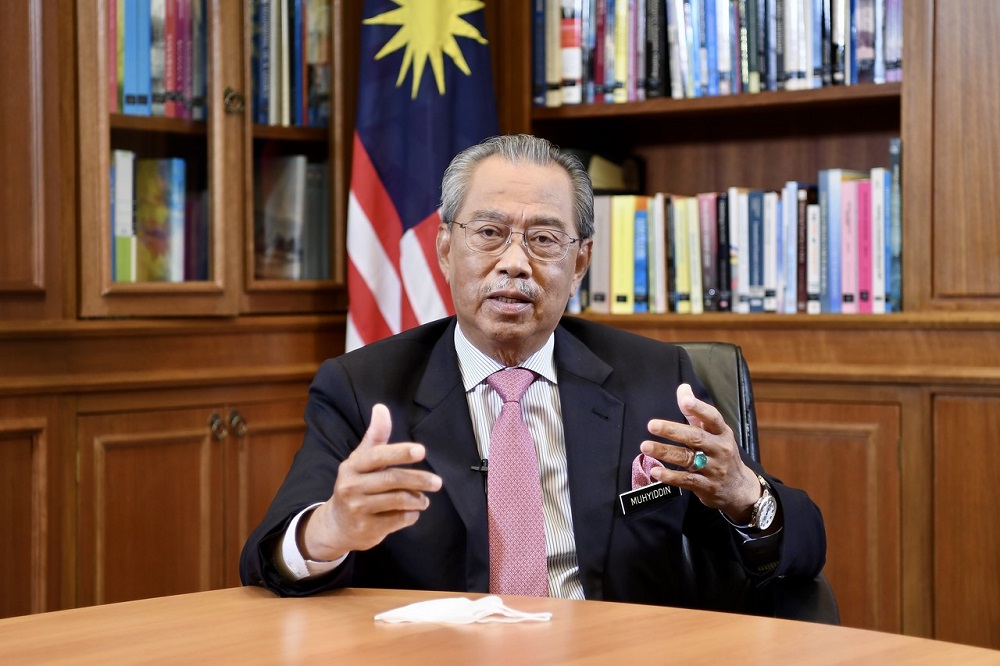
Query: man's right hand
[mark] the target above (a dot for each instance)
(372, 497)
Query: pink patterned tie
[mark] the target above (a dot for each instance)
(514, 493)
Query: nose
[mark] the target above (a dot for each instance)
(515, 260)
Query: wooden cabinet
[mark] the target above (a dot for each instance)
(171, 483)
(221, 155)
(34, 469)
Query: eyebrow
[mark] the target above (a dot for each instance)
(490, 215)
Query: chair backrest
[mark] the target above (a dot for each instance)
(723, 371)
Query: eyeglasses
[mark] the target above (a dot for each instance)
(492, 238)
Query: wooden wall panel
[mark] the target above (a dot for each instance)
(966, 528)
(151, 505)
(966, 152)
(35, 163)
(846, 457)
(263, 456)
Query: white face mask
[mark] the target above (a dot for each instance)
(461, 611)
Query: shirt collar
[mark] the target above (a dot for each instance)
(476, 366)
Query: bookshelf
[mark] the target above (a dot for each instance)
(864, 411)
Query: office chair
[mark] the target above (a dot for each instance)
(723, 370)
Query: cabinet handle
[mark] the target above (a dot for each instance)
(232, 101)
(237, 423)
(218, 427)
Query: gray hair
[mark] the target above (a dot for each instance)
(517, 148)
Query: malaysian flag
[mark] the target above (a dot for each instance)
(425, 93)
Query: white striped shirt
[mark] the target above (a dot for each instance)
(542, 413)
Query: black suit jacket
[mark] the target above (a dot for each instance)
(611, 383)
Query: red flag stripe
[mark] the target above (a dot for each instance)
(367, 188)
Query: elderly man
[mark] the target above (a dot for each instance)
(627, 485)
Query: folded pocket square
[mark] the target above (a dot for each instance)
(641, 467)
(460, 610)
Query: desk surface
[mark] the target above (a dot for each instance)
(242, 625)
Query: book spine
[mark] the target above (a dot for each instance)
(571, 51)
(637, 49)
(170, 59)
(123, 268)
(157, 56)
(711, 32)
(656, 49)
(198, 72)
(297, 95)
(640, 276)
(707, 210)
(318, 66)
(185, 90)
(600, 49)
(682, 249)
(814, 241)
(622, 55)
(659, 256)
(675, 54)
(264, 75)
(177, 206)
(864, 52)
(553, 52)
(538, 53)
(755, 250)
(743, 28)
(588, 32)
(849, 246)
(622, 254)
(723, 261)
(724, 42)
(894, 272)
(285, 70)
(600, 262)
(839, 10)
(879, 182)
(864, 213)
(694, 256)
(771, 254)
(112, 55)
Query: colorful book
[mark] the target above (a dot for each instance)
(830, 186)
(169, 52)
(772, 255)
(640, 276)
(159, 219)
(280, 218)
(813, 269)
(894, 237)
(136, 92)
(571, 51)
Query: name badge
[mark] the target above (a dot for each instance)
(641, 498)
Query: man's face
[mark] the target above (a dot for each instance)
(508, 304)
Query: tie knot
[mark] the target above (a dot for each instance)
(511, 383)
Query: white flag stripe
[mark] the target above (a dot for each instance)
(373, 264)
(415, 267)
(354, 340)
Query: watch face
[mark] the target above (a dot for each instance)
(765, 515)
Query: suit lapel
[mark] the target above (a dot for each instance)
(592, 421)
(446, 432)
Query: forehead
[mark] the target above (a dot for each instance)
(520, 190)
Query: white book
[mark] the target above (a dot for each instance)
(600, 257)
(124, 241)
(741, 299)
(723, 45)
(879, 218)
(553, 52)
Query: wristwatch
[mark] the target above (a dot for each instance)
(765, 508)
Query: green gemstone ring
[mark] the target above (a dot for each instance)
(700, 460)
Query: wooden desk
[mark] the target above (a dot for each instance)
(250, 625)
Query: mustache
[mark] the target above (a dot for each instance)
(524, 287)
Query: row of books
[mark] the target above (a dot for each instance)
(156, 56)
(828, 246)
(290, 62)
(159, 228)
(292, 219)
(613, 51)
